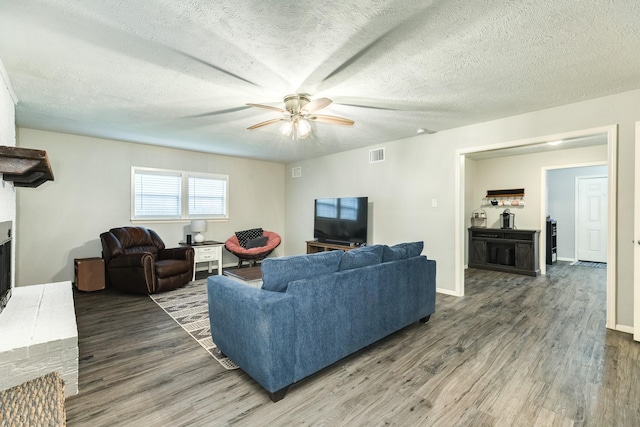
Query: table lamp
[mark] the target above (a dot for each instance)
(198, 226)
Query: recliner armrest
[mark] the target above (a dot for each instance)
(131, 260)
(182, 252)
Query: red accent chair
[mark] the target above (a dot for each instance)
(254, 254)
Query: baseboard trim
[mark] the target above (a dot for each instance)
(624, 328)
(448, 292)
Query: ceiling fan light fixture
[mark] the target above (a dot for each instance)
(304, 128)
(298, 114)
(286, 128)
(296, 128)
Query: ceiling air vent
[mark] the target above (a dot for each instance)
(296, 172)
(376, 155)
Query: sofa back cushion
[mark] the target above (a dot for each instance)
(402, 251)
(361, 257)
(278, 272)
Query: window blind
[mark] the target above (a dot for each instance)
(207, 197)
(157, 195)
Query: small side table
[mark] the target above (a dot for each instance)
(207, 251)
(89, 274)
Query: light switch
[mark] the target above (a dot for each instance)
(434, 203)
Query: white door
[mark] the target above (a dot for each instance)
(592, 219)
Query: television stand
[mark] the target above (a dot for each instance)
(315, 247)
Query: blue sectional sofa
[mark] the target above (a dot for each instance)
(314, 310)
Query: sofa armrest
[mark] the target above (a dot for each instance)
(255, 329)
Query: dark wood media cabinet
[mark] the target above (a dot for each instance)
(315, 247)
(512, 251)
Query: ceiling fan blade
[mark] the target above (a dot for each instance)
(259, 125)
(316, 104)
(215, 113)
(268, 107)
(332, 120)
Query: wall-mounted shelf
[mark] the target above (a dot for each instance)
(25, 167)
(512, 193)
(512, 198)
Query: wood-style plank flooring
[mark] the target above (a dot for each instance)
(515, 350)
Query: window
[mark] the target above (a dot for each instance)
(158, 194)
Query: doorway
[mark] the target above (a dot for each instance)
(536, 145)
(566, 206)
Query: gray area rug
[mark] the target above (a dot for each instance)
(590, 264)
(188, 307)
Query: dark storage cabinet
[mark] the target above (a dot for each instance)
(514, 251)
(552, 242)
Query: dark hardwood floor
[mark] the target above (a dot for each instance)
(515, 350)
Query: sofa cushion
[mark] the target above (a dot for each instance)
(245, 235)
(258, 242)
(278, 272)
(402, 251)
(361, 257)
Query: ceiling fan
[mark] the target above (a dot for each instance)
(298, 111)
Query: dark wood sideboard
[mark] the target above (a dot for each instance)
(513, 251)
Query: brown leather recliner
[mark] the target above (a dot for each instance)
(136, 261)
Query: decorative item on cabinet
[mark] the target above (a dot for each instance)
(198, 226)
(508, 220)
(479, 218)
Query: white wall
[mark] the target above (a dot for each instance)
(62, 220)
(8, 138)
(524, 171)
(561, 186)
(423, 168)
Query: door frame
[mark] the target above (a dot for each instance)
(636, 242)
(544, 206)
(612, 203)
(577, 240)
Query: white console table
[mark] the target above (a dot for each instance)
(208, 251)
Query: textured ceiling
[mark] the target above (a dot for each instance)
(179, 73)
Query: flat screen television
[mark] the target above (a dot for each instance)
(341, 220)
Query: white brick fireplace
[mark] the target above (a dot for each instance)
(39, 335)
